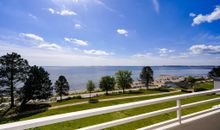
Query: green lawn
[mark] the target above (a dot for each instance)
(81, 107)
(75, 100)
(69, 125)
(113, 95)
(204, 86)
(74, 124)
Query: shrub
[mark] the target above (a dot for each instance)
(200, 89)
(186, 90)
(93, 100)
(77, 97)
(164, 89)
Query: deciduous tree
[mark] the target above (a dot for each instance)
(107, 83)
(90, 87)
(124, 79)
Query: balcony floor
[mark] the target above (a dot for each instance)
(207, 123)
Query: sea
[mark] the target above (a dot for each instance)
(78, 76)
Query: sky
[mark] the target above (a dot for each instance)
(111, 32)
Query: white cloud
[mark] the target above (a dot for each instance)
(63, 12)
(67, 12)
(183, 55)
(76, 41)
(205, 49)
(52, 46)
(101, 3)
(32, 37)
(215, 15)
(156, 6)
(192, 14)
(122, 32)
(165, 51)
(66, 57)
(41, 43)
(139, 55)
(97, 52)
(32, 16)
(77, 26)
(52, 11)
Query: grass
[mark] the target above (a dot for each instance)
(79, 123)
(80, 107)
(69, 125)
(112, 95)
(204, 86)
(77, 99)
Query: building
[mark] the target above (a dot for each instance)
(217, 83)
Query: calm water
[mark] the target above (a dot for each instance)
(78, 76)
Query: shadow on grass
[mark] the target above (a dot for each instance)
(15, 114)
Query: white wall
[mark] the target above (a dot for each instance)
(217, 84)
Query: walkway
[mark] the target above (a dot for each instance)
(111, 99)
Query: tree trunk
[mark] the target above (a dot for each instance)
(147, 83)
(23, 103)
(61, 97)
(90, 95)
(123, 90)
(106, 92)
(12, 92)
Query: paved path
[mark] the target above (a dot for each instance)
(111, 99)
(94, 94)
(207, 123)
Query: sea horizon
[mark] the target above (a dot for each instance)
(78, 76)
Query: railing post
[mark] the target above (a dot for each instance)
(178, 112)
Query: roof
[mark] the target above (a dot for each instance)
(216, 78)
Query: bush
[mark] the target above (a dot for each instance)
(70, 98)
(136, 91)
(200, 89)
(120, 92)
(164, 89)
(77, 97)
(186, 90)
(93, 100)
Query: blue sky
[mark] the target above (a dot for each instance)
(111, 32)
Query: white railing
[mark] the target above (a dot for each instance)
(98, 111)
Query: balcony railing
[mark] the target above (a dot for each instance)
(98, 111)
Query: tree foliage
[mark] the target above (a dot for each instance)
(13, 70)
(90, 87)
(62, 86)
(37, 85)
(215, 72)
(146, 76)
(124, 79)
(107, 83)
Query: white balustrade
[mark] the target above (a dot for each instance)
(103, 110)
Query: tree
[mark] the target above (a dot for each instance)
(146, 76)
(13, 70)
(90, 87)
(123, 79)
(191, 80)
(215, 72)
(37, 85)
(107, 83)
(62, 86)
